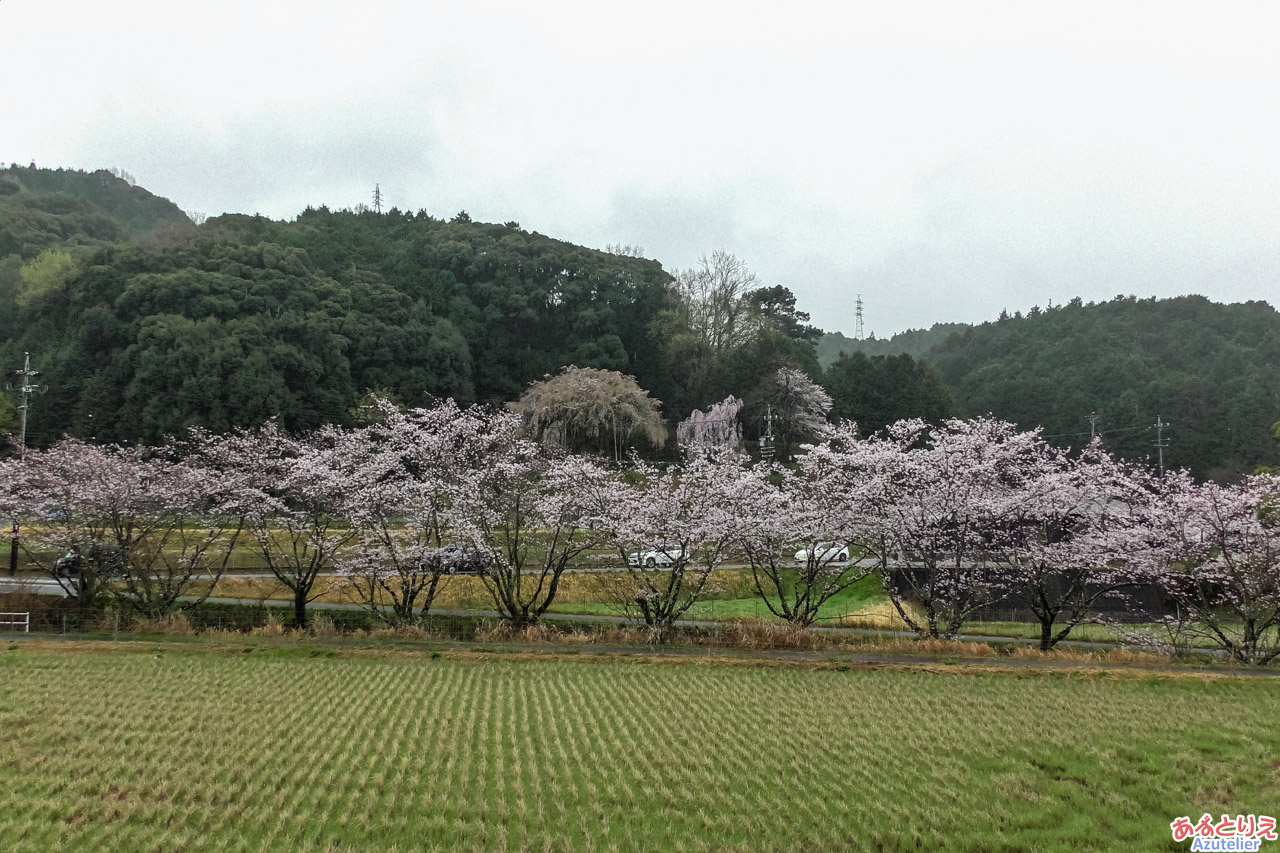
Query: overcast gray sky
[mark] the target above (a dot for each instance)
(944, 160)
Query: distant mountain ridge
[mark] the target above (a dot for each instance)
(1209, 369)
(40, 208)
(913, 342)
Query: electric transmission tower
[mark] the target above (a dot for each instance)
(857, 313)
(23, 385)
(377, 198)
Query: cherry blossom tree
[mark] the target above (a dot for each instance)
(416, 464)
(938, 506)
(799, 406)
(295, 494)
(804, 514)
(1216, 551)
(717, 427)
(1075, 526)
(521, 513)
(673, 528)
(583, 406)
(125, 523)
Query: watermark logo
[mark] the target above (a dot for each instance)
(1239, 833)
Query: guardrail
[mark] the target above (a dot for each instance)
(12, 621)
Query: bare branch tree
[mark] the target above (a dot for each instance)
(714, 294)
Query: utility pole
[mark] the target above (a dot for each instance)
(857, 313)
(1160, 442)
(1092, 418)
(377, 198)
(26, 389)
(766, 440)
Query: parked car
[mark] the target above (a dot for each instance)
(103, 560)
(665, 554)
(460, 560)
(824, 552)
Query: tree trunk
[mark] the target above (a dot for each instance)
(1046, 635)
(300, 609)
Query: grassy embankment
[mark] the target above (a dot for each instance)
(731, 595)
(863, 605)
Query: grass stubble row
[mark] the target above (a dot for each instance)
(227, 749)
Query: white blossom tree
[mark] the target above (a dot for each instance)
(1076, 523)
(717, 427)
(806, 513)
(415, 463)
(692, 512)
(938, 506)
(296, 495)
(799, 407)
(124, 523)
(522, 513)
(1216, 552)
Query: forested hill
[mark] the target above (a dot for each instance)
(913, 342)
(40, 208)
(247, 318)
(1212, 371)
(144, 323)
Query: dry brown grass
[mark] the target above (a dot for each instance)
(174, 623)
(1070, 654)
(271, 628)
(751, 634)
(882, 616)
(456, 592)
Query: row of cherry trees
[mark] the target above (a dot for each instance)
(953, 518)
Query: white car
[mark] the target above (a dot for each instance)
(824, 552)
(665, 554)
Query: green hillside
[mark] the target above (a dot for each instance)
(913, 342)
(144, 323)
(1210, 370)
(43, 208)
(256, 319)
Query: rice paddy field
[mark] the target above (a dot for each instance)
(302, 746)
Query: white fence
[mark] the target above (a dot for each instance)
(15, 622)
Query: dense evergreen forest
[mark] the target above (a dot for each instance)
(143, 323)
(913, 342)
(1210, 370)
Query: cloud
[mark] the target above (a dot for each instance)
(946, 162)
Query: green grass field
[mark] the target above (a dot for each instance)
(299, 746)
(738, 600)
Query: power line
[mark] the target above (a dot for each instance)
(1103, 432)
